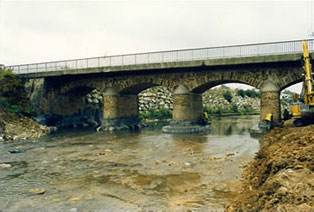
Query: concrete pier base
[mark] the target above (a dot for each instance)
(120, 124)
(186, 128)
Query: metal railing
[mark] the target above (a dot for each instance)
(248, 50)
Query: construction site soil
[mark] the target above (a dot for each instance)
(281, 176)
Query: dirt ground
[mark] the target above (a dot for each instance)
(281, 176)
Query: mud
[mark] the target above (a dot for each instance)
(281, 176)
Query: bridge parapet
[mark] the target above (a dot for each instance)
(162, 57)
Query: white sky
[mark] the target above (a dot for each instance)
(39, 31)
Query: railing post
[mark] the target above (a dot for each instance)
(36, 67)
(56, 66)
(75, 64)
(110, 61)
(27, 68)
(46, 70)
(135, 59)
(122, 59)
(86, 63)
(19, 69)
(98, 62)
(148, 60)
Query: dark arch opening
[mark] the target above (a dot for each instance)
(77, 107)
(81, 90)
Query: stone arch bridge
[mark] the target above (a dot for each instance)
(270, 67)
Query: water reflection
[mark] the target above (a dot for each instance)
(232, 125)
(136, 171)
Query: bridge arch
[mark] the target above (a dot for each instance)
(208, 85)
(68, 102)
(206, 80)
(138, 84)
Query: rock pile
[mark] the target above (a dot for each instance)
(95, 97)
(214, 99)
(13, 127)
(155, 98)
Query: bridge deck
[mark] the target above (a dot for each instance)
(214, 56)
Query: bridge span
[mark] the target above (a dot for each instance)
(270, 67)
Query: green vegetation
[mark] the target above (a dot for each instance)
(161, 114)
(13, 97)
(227, 95)
(249, 93)
(232, 110)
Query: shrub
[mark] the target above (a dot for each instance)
(209, 110)
(249, 93)
(247, 108)
(219, 111)
(13, 97)
(234, 108)
(241, 93)
(227, 95)
(157, 114)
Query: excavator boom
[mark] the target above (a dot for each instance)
(303, 113)
(308, 78)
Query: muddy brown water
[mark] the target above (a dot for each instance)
(140, 171)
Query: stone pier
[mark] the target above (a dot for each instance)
(270, 101)
(187, 113)
(119, 111)
(187, 107)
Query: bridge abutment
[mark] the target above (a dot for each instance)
(270, 101)
(120, 111)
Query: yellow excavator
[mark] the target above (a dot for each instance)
(302, 109)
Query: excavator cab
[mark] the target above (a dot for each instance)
(296, 106)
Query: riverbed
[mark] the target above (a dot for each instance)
(81, 171)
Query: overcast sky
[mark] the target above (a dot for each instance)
(38, 31)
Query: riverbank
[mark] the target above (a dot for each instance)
(280, 177)
(19, 127)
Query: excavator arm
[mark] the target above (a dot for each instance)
(308, 77)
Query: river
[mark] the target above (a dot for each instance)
(85, 171)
